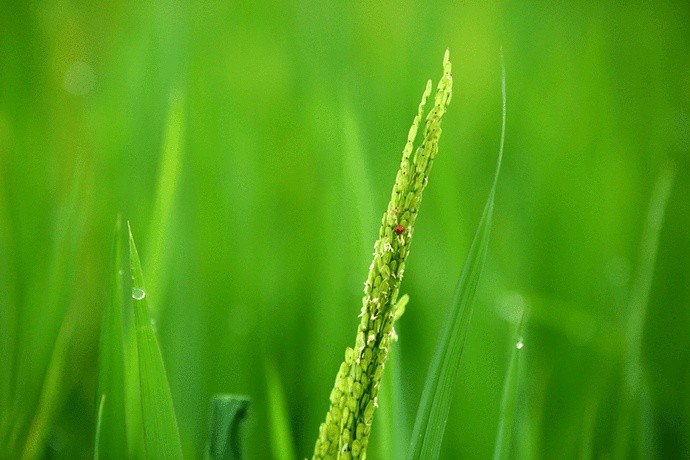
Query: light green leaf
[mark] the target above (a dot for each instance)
(52, 391)
(636, 408)
(168, 178)
(439, 387)
(510, 392)
(99, 425)
(281, 436)
(161, 435)
(111, 437)
(225, 421)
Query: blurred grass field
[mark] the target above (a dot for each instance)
(291, 119)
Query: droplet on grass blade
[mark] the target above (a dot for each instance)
(138, 294)
(519, 344)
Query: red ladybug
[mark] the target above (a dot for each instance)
(399, 229)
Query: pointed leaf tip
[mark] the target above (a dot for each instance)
(161, 433)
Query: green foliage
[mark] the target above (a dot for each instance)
(51, 392)
(111, 434)
(168, 179)
(225, 422)
(637, 405)
(135, 414)
(430, 423)
(161, 436)
(511, 388)
(282, 446)
(355, 394)
(251, 146)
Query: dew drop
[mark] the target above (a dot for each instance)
(519, 344)
(138, 294)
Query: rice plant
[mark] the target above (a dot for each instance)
(249, 151)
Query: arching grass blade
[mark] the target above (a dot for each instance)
(437, 395)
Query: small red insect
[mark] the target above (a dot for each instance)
(399, 229)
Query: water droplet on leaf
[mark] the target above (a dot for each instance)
(138, 294)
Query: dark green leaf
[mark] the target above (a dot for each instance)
(225, 421)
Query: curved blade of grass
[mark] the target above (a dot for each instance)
(437, 395)
(168, 178)
(638, 393)
(161, 435)
(225, 422)
(281, 435)
(52, 391)
(111, 436)
(510, 392)
(99, 425)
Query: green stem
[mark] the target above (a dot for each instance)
(345, 432)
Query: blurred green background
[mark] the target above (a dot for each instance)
(295, 115)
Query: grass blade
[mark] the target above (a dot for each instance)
(99, 425)
(52, 391)
(168, 178)
(161, 435)
(226, 419)
(510, 392)
(134, 423)
(111, 437)
(281, 436)
(346, 429)
(437, 395)
(637, 397)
